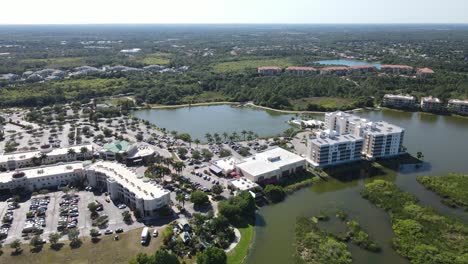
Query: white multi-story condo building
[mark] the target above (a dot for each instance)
(269, 70)
(12, 161)
(458, 106)
(431, 104)
(44, 177)
(126, 186)
(270, 166)
(328, 148)
(381, 139)
(398, 101)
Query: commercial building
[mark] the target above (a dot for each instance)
(431, 104)
(242, 184)
(328, 148)
(381, 139)
(130, 154)
(340, 71)
(397, 69)
(458, 106)
(302, 71)
(12, 161)
(269, 70)
(270, 166)
(398, 101)
(44, 177)
(126, 186)
(224, 166)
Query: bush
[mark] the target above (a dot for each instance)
(212, 255)
(275, 193)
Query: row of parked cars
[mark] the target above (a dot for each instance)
(68, 212)
(7, 218)
(36, 217)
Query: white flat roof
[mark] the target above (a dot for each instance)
(269, 160)
(243, 184)
(129, 179)
(336, 139)
(458, 101)
(399, 96)
(37, 153)
(381, 128)
(42, 171)
(226, 164)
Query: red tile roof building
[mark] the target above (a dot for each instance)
(362, 69)
(301, 71)
(269, 70)
(340, 71)
(424, 72)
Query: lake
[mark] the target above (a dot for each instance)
(348, 63)
(443, 141)
(199, 120)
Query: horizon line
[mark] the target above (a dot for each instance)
(235, 23)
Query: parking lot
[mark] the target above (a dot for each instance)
(52, 215)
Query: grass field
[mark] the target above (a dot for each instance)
(66, 62)
(239, 253)
(160, 58)
(327, 102)
(241, 65)
(105, 251)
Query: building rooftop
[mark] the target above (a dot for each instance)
(425, 70)
(357, 67)
(140, 150)
(267, 161)
(129, 179)
(399, 96)
(243, 184)
(389, 66)
(381, 128)
(297, 68)
(327, 137)
(226, 164)
(335, 69)
(269, 68)
(117, 146)
(431, 99)
(458, 101)
(18, 156)
(49, 170)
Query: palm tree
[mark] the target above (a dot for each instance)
(235, 135)
(43, 157)
(180, 198)
(178, 166)
(225, 135)
(208, 137)
(196, 141)
(217, 138)
(244, 133)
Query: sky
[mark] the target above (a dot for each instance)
(232, 11)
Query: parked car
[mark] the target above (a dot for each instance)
(119, 230)
(155, 233)
(108, 232)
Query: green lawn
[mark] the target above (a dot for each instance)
(241, 65)
(239, 253)
(160, 58)
(65, 62)
(326, 102)
(105, 251)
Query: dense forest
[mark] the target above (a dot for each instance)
(223, 61)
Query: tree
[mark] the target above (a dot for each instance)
(180, 198)
(224, 153)
(225, 136)
(53, 239)
(244, 133)
(93, 232)
(275, 193)
(212, 255)
(182, 152)
(127, 217)
(217, 189)
(209, 137)
(178, 166)
(36, 242)
(164, 257)
(16, 245)
(199, 198)
(196, 141)
(196, 155)
(206, 154)
(73, 236)
(419, 155)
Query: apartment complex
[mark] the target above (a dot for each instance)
(302, 71)
(269, 70)
(363, 69)
(431, 104)
(340, 71)
(126, 186)
(44, 177)
(329, 148)
(424, 72)
(397, 69)
(381, 139)
(12, 161)
(270, 166)
(458, 106)
(399, 101)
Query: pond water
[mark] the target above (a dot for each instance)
(348, 63)
(444, 143)
(199, 120)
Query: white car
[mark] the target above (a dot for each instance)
(155, 233)
(121, 206)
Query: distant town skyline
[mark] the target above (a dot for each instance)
(239, 11)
